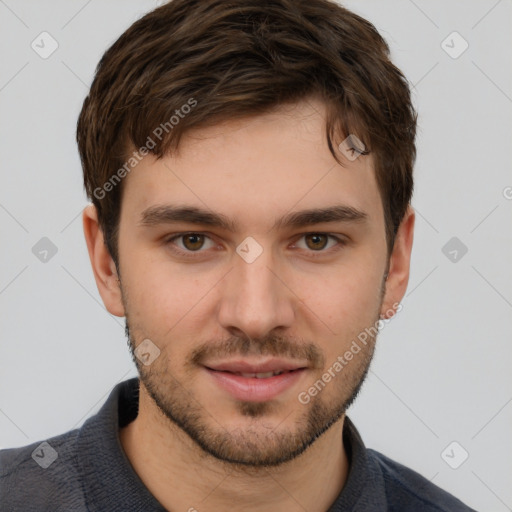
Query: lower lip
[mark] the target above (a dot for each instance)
(251, 389)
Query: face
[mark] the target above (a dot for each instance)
(250, 262)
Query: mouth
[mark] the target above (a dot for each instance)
(257, 367)
(260, 375)
(256, 381)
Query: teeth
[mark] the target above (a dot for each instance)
(264, 375)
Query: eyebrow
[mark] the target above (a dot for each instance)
(166, 214)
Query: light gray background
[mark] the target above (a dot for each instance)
(442, 367)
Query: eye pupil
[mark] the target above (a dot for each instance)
(193, 242)
(319, 241)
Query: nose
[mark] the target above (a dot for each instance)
(255, 298)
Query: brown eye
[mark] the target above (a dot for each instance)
(191, 245)
(193, 241)
(316, 241)
(317, 245)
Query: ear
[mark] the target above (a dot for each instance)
(103, 265)
(399, 264)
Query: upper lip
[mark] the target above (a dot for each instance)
(261, 366)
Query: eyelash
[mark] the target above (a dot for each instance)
(314, 254)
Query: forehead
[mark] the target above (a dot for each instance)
(256, 166)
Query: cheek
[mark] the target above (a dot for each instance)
(162, 298)
(344, 298)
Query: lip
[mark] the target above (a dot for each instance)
(260, 366)
(253, 389)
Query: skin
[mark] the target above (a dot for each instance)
(260, 456)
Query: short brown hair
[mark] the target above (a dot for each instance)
(232, 59)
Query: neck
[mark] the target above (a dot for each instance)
(181, 476)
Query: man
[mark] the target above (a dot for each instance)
(250, 169)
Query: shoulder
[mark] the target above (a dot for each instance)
(408, 490)
(42, 476)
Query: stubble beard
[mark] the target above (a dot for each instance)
(259, 444)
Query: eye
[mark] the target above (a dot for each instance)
(191, 242)
(319, 242)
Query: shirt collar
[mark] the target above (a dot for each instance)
(108, 475)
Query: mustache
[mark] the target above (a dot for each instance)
(272, 345)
